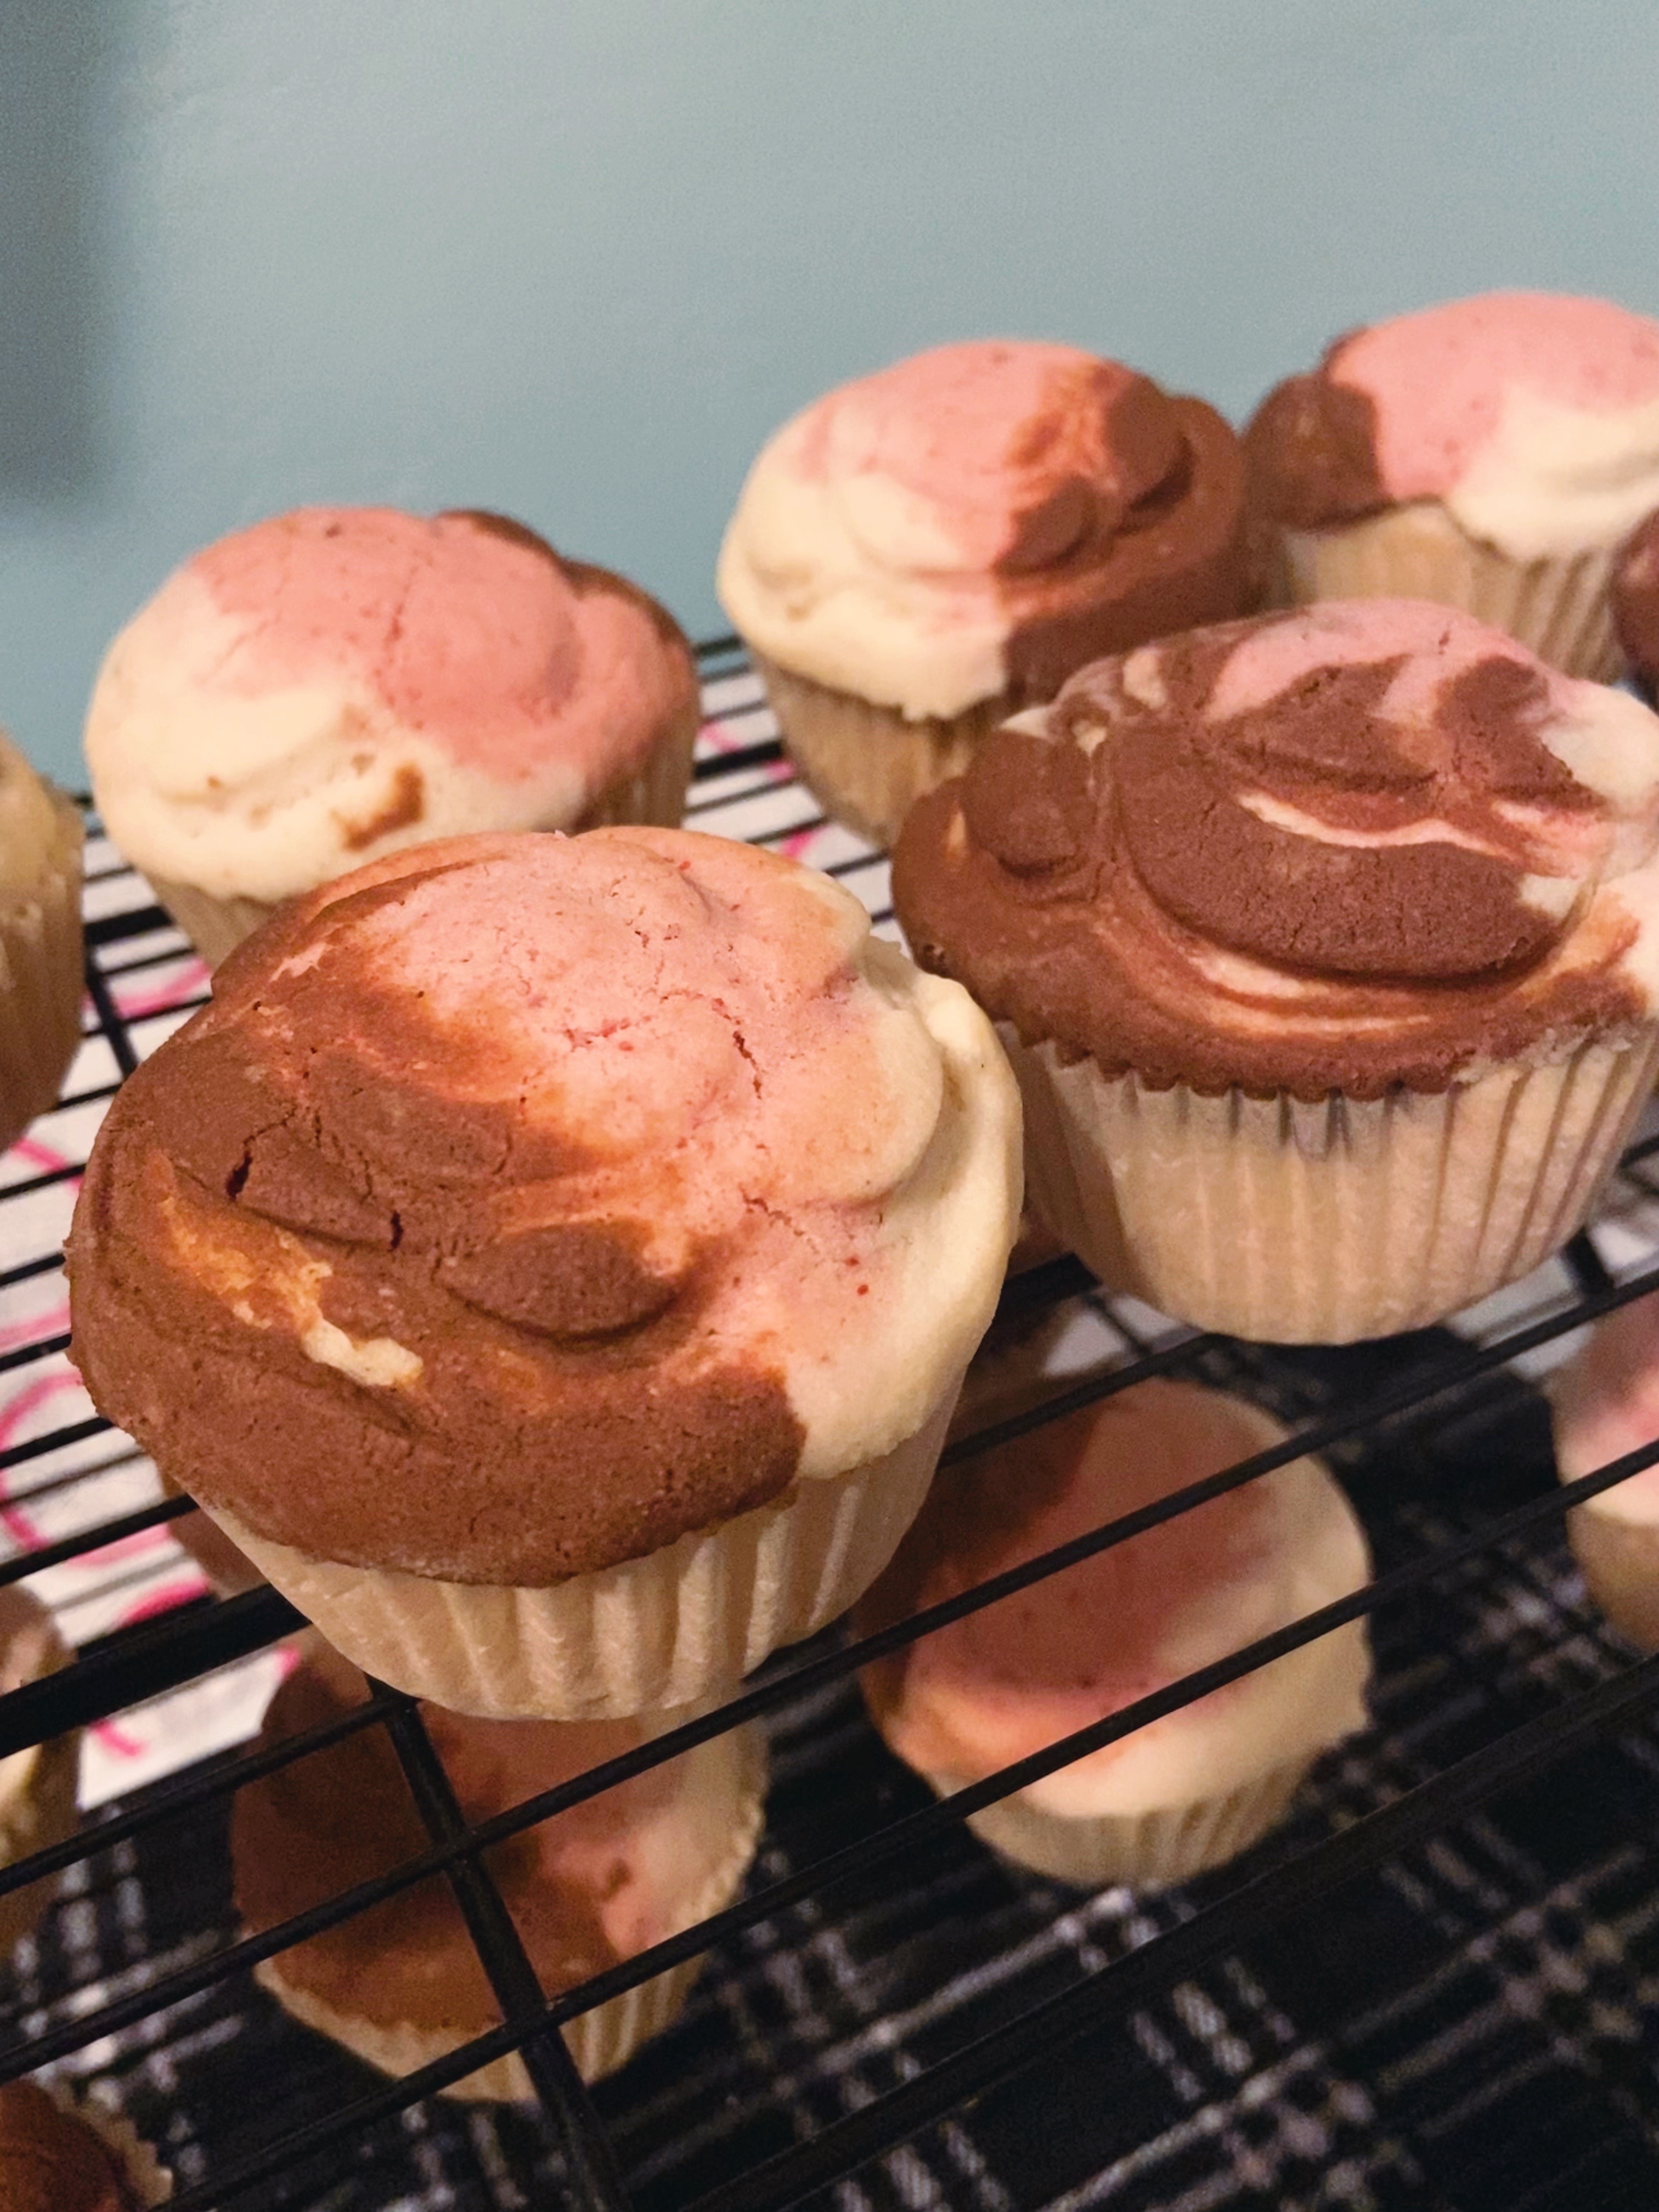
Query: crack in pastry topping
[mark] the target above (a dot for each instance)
(1353, 846)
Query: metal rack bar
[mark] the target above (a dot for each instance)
(559, 2088)
(1040, 2037)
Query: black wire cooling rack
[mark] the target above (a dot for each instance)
(1437, 1986)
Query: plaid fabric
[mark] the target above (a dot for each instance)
(1474, 2028)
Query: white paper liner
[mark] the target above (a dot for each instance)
(40, 981)
(1558, 607)
(868, 765)
(1171, 1844)
(729, 1773)
(1323, 1224)
(147, 2180)
(665, 1629)
(1620, 1562)
(215, 927)
(229, 1570)
(653, 792)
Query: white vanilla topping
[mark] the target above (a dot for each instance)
(1554, 480)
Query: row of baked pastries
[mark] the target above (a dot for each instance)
(554, 1262)
(922, 553)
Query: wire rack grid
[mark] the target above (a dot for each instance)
(1435, 1987)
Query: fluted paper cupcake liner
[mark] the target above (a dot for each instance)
(1146, 1849)
(1620, 1562)
(1293, 1223)
(660, 1630)
(40, 981)
(1558, 607)
(147, 2180)
(730, 1769)
(868, 765)
(653, 792)
(215, 927)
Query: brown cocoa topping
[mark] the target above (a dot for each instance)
(1403, 912)
(343, 1815)
(576, 1279)
(504, 526)
(587, 581)
(403, 809)
(1091, 575)
(1025, 799)
(51, 2161)
(1310, 451)
(584, 577)
(1636, 601)
(1084, 886)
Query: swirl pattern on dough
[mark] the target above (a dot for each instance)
(519, 1205)
(981, 520)
(1360, 845)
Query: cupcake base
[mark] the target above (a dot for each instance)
(37, 1811)
(726, 1777)
(40, 981)
(215, 927)
(1558, 607)
(868, 765)
(38, 1785)
(662, 1631)
(1620, 1562)
(1324, 1223)
(146, 2181)
(652, 792)
(1144, 1850)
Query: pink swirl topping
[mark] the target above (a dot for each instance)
(469, 629)
(1014, 445)
(514, 1179)
(981, 518)
(1437, 379)
(1004, 1682)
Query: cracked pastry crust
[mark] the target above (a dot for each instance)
(521, 1205)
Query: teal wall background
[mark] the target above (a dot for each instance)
(575, 257)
